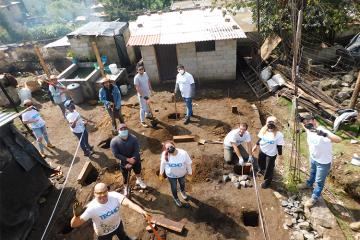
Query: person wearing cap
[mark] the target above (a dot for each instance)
(110, 96)
(143, 89)
(233, 144)
(57, 91)
(176, 163)
(126, 148)
(105, 212)
(320, 141)
(270, 143)
(186, 84)
(77, 126)
(33, 118)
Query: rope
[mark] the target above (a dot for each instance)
(62, 188)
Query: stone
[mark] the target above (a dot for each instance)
(341, 96)
(353, 141)
(234, 179)
(226, 178)
(243, 183)
(345, 84)
(347, 90)
(349, 78)
(309, 236)
(326, 84)
(297, 235)
(355, 226)
(243, 178)
(346, 103)
(293, 221)
(285, 226)
(322, 216)
(289, 222)
(237, 185)
(284, 203)
(336, 83)
(290, 204)
(277, 195)
(298, 210)
(304, 226)
(300, 220)
(231, 175)
(248, 183)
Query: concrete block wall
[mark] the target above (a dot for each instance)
(150, 63)
(130, 50)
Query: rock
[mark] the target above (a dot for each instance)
(322, 216)
(277, 195)
(231, 175)
(284, 203)
(309, 236)
(326, 84)
(341, 96)
(285, 227)
(293, 221)
(297, 235)
(226, 178)
(243, 178)
(298, 210)
(304, 226)
(243, 183)
(347, 90)
(344, 84)
(248, 183)
(300, 220)
(296, 215)
(289, 222)
(346, 103)
(332, 92)
(234, 179)
(353, 141)
(336, 83)
(290, 204)
(348, 78)
(355, 226)
(237, 185)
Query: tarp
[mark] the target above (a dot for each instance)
(354, 47)
(23, 179)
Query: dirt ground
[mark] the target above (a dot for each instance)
(216, 209)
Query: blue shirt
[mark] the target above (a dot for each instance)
(116, 95)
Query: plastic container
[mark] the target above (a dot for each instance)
(75, 92)
(113, 69)
(272, 85)
(24, 94)
(279, 79)
(123, 89)
(355, 160)
(265, 73)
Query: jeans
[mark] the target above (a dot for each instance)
(125, 172)
(62, 108)
(266, 165)
(173, 185)
(119, 232)
(230, 155)
(115, 113)
(144, 111)
(188, 103)
(41, 133)
(84, 143)
(318, 174)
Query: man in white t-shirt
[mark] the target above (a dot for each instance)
(77, 126)
(233, 144)
(186, 84)
(320, 150)
(104, 211)
(143, 89)
(58, 91)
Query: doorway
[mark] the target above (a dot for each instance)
(167, 61)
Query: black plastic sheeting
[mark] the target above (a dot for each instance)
(23, 179)
(354, 47)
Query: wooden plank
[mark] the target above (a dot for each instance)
(167, 223)
(184, 138)
(98, 59)
(269, 45)
(42, 62)
(87, 168)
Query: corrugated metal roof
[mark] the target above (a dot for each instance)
(183, 27)
(62, 42)
(99, 29)
(6, 117)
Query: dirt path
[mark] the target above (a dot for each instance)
(217, 208)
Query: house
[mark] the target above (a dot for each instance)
(203, 40)
(110, 38)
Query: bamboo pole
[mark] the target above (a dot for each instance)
(355, 94)
(42, 62)
(98, 59)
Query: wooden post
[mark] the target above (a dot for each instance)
(98, 59)
(42, 62)
(355, 94)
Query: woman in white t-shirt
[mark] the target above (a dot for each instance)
(176, 163)
(270, 142)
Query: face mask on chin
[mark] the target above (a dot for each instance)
(124, 133)
(171, 149)
(309, 126)
(181, 71)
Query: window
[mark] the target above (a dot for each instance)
(206, 46)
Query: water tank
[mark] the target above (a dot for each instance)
(75, 92)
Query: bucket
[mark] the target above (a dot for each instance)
(75, 93)
(265, 73)
(279, 79)
(123, 89)
(24, 94)
(113, 69)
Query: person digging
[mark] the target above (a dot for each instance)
(176, 164)
(320, 141)
(104, 211)
(126, 148)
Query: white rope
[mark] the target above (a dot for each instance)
(62, 188)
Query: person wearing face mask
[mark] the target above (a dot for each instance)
(232, 144)
(176, 164)
(58, 91)
(143, 89)
(186, 84)
(110, 96)
(320, 141)
(126, 148)
(270, 142)
(77, 126)
(104, 211)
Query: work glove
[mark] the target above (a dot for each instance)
(321, 133)
(77, 208)
(161, 177)
(241, 161)
(251, 159)
(128, 166)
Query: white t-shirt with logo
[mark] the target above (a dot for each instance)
(268, 143)
(79, 126)
(106, 217)
(185, 80)
(32, 114)
(142, 81)
(176, 166)
(320, 148)
(234, 137)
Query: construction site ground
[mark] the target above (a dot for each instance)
(216, 209)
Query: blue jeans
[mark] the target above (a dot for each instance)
(41, 133)
(84, 144)
(144, 111)
(188, 103)
(318, 174)
(173, 185)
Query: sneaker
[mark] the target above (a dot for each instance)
(144, 124)
(265, 185)
(178, 202)
(184, 195)
(49, 145)
(187, 120)
(303, 186)
(140, 183)
(310, 203)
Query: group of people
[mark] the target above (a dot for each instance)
(175, 163)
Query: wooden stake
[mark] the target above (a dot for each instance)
(355, 94)
(42, 62)
(98, 59)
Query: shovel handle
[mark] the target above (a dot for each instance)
(153, 229)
